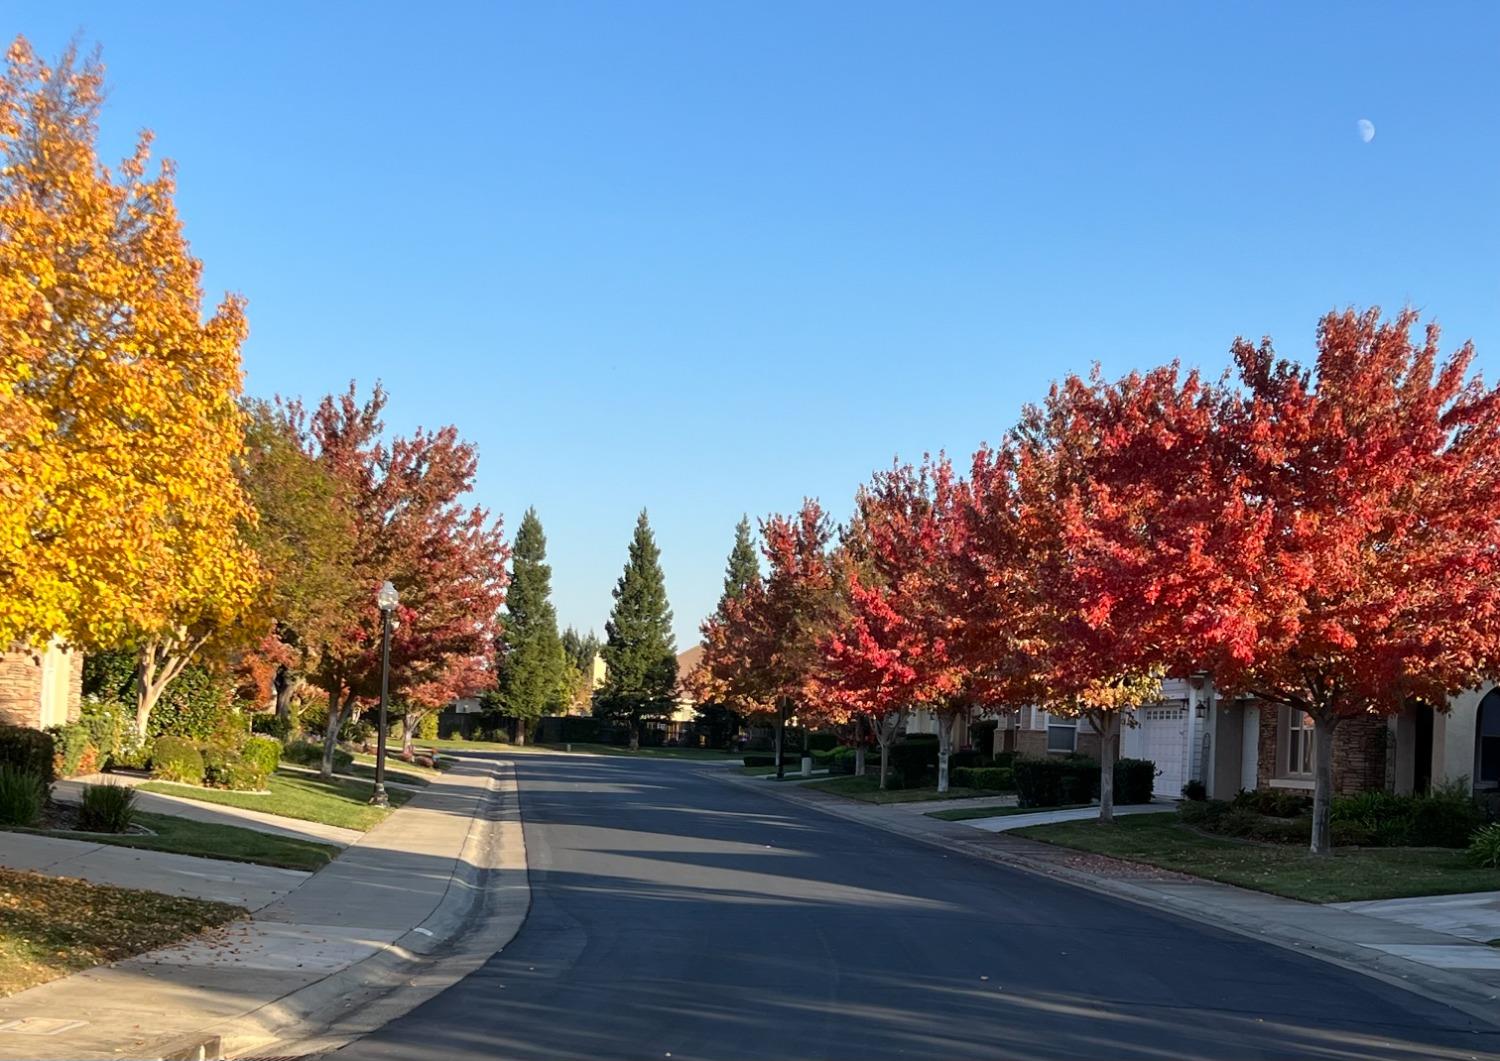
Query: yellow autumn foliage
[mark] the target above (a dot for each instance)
(120, 515)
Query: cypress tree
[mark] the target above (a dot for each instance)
(533, 679)
(639, 650)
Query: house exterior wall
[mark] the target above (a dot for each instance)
(1453, 737)
(40, 690)
(1359, 753)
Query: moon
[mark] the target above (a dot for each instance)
(1366, 129)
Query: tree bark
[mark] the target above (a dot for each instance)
(336, 712)
(946, 723)
(885, 734)
(409, 723)
(1325, 723)
(635, 735)
(159, 660)
(859, 745)
(1108, 724)
(285, 686)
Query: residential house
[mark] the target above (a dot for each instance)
(40, 689)
(681, 723)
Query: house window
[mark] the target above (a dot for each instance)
(1062, 734)
(1487, 750)
(1298, 759)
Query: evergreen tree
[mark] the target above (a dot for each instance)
(580, 650)
(743, 567)
(533, 674)
(639, 651)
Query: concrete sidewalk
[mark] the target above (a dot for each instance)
(1006, 822)
(409, 892)
(1447, 968)
(238, 883)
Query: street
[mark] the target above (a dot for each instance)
(675, 915)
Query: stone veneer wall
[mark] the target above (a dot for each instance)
(1359, 752)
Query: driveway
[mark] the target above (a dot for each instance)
(674, 915)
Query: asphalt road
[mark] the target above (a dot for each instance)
(675, 915)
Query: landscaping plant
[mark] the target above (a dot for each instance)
(107, 808)
(22, 793)
(1484, 846)
(177, 759)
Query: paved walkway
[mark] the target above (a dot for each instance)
(1006, 822)
(403, 889)
(1407, 951)
(212, 813)
(1475, 916)
(240, 883)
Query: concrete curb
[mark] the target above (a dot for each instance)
(1459, 992)
(484, 906)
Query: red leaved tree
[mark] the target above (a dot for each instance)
(1119, 498)
(410, 527)
(1365, 548)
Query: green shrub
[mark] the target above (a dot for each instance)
(73, 750)
(271, 724)
(1054, 781)
(132, 754)
(966, 758)
(310, 753)
(110, 724)
(1275, 802)
(915, 758)
(107, 808)
(177, 759)
(261, 754)
(995, 778)
(1195, 790)
(427, 726)
(1239, 821)
(1204, 814)
(1133, 780)
(28, 750)
(22, 793)
(1275, 830)
(1484, 846)
(822, 742)
(1444, 818)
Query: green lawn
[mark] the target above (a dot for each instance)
(52, 926)
(867, 789)
(969, 813)
(1350, 874)
(293, 795)
(468, 746)
(405, 773)
(183, 836)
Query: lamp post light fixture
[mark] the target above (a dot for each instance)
(387, 599)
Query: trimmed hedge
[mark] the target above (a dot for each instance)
(1056, 781)
(997, 778)
(271, 724)
(177, 759)
(1133, 780)
(28, 750)
(1443, 818)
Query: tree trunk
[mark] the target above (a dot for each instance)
(1324, 725)
(885, 734)
(159, 660)
(409, 724)
(285, 685)
(946, 724)
(859, 745)
(336, 711)
(1108, 724)
(635, 735)
(520, 740)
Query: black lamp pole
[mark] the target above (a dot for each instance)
(387, 600)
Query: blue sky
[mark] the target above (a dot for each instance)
(708, 258)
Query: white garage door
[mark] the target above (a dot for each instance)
(1164, 741)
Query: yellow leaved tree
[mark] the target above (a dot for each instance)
(120, 514)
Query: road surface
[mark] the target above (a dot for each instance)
(676, 915)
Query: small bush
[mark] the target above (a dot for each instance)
(310, 753)
(110, 725)
(1205, 814)
(1134, 779)
(1239, 821)
(1444, 819)
(73, 750)
(177, 759)
(261, 754)
(995, 778)
(1196, 791)
(107, 808)
(22, 793)
(427, 726)
(28, 750)
(915, 758)
(271, 724)
(966, 759)
(1275, 802)
(131, 754)
(1484, 846)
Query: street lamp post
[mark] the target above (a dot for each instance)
(387, 598)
